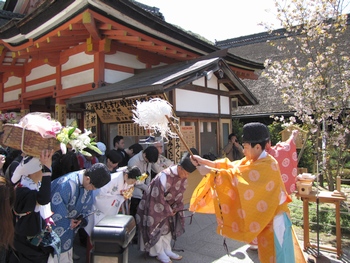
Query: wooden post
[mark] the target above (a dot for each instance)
(180, 135)
(24, 112)
(61, 113)
(338, 191)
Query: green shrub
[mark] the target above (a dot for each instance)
(237, 128)
(346, 176)
(326, 218)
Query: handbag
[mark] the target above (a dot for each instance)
(47, 238)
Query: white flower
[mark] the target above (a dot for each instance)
(77, 140)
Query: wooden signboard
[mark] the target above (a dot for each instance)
(132, 129)
(90, 120)
(189, 136)
(117, 111)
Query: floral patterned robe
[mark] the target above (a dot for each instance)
(245, 200)
(155, 212)
(69, 199)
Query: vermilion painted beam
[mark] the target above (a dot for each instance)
(71, 33)
(17, 48)
(37, 94)
(41, 80)
(89, 23)
(10, 105)
(126, 38)
(17, 71)
(78, 69)
(119, 68)
(73, 91)
(114, 32)
(132, 32)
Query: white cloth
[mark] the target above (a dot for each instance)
(40, 122)
(162, 249)
(27, 166)
(279, 228)
(161, 164)
(108, 199)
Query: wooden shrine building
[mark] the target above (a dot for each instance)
(90, 60)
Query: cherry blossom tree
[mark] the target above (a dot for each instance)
(314, 75)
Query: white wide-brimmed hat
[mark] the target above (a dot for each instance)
(27, 166)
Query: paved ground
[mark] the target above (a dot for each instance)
(202, 244)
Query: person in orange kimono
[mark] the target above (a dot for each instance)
(286, 155)
(248, 197)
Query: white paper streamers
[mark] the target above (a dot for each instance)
(152, 115)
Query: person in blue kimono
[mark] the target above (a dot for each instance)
(71, 203)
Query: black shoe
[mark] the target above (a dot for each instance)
(135, 240)
(83, 236)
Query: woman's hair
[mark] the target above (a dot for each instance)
(7, 197)
(133, 172)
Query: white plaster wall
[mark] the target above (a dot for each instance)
(12, 81)
(124, 59)
(45, 84)
(199, 82)
(191, 101)
(112, 76)
(225, 105)
(77, 60)
(223, 87)
(77, 79)
(11, 95)
(213, 82)
(40, 72)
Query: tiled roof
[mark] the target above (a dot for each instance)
(256, 47)
(256, 38)
(165, 78)
(151, 9)
(6, 16)
(251, 39)
(126, 12)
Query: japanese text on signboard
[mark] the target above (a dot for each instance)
(119, 110)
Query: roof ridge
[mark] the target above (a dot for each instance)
(257, 37)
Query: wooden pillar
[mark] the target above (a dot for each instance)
(24, 112)
(99, 61)
(2, 90)
(61, 113)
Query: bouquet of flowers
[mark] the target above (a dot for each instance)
(140, 179)
(127, 193)
(78, 141)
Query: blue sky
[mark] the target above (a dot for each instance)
(218, 19)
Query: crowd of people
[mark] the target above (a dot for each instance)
(48, 200)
